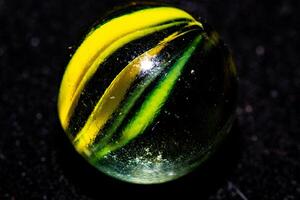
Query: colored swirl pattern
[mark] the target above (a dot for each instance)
(123, 74)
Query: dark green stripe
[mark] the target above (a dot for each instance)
(176, 48)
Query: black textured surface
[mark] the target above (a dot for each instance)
(260, 161)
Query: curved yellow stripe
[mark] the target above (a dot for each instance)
(117, 89)
(151, 107)
(108, 51)
(80, 68)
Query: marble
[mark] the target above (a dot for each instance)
(149, 94)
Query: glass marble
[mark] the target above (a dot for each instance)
(148, 94)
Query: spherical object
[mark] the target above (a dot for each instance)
(148, 94)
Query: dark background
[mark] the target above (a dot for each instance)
(259, 161)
